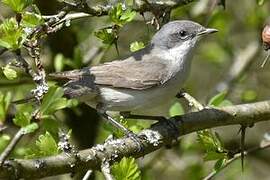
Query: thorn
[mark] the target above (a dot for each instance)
(116, 47)
(265, 60)
(242, 144)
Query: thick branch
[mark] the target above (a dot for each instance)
(152, 139)
(139, 5)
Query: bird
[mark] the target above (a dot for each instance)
(144, 80)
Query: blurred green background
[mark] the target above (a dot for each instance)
(239, 39)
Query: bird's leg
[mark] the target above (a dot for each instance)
(128, 115)
(119, 126)
(115, 123)
(162, 119)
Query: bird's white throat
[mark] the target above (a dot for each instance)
(178, 57)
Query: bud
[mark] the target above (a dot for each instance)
(266, 37)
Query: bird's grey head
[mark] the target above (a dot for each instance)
(179, 33)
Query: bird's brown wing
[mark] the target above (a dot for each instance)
(130, 73)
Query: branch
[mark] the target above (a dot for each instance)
(152, 139)
(242, 63)
(237, 156)
(11, 146)
(138, 5)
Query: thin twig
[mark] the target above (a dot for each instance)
(87, 175)
(2, 51)
(192, 101)
(242, 62)
(237, 156)
(11, 146)
(105, 169)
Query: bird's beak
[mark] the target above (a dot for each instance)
(207, 31)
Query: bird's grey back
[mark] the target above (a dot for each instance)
(137, 72)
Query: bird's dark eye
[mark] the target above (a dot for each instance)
(183, 33)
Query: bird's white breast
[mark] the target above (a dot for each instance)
(143, 101)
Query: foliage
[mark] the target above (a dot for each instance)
(18, 5)
(135, 46)
(176, 109)
(54, 101)
(31, 20)
(119, 15)
(125, 26)
(127, 169)
(11, 35)
(9, 72)
(219, 100)
(45, 146)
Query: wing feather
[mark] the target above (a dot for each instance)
(130, 73)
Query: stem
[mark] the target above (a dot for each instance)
(11, 146)
(237, 156)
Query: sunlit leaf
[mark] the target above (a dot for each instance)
(5, 100)
(127, 169)
(176, 109)
(31, 20)
(107, 35)
(249, 95)
(121, 15)
(135, 46)
(47, 145)
(22, 119)
(219, 164)
(260, 2)
(4, 140)
(17, 5)
(30, 128)
(59, 62)
(53, 101)
(219, 100)
(10, 73)
(11, 36)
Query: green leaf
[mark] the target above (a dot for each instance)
(135, 46)
(46, 145)
(51, 124)
(223, 3)
(5, 100)
(22, 119)
(11, 36)
(210, 141)
(17, 5)
(126, 169)
(72, 103)
(210, 156)
(220, 163)
(225, 102)
(31, 20)
(30, 128)
(121, 15)
(59, 62)
(218, 100)
(107, 35)
(4, 140)
(128, 15)
(53, 101)
(176, 109)
(9, 72)
(260, 2)
(249, 95)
